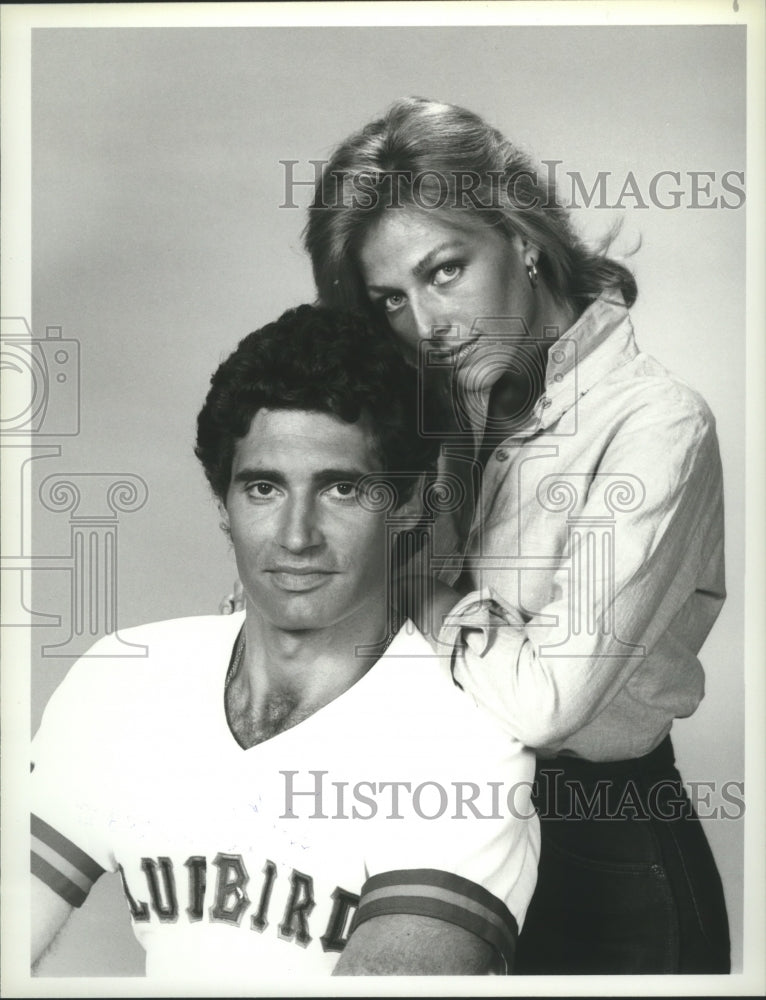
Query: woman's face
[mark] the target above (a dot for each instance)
(464, 289)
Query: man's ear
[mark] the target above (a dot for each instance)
(224, 522)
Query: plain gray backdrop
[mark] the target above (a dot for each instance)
(159, 241)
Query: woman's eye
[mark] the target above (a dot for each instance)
(391, 303)
(447, 272)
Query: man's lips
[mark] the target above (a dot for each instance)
(299, 578)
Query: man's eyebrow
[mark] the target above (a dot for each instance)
(328, 476)
(252, 473)
(323, 477)
(425, 263)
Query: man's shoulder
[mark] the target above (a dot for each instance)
(421, 696)
(125, 660)
(213, 625)
(125, 673)
(177, 633)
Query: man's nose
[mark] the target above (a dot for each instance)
(300, 528)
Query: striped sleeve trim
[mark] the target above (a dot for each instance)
(59, 863)
(429, 892)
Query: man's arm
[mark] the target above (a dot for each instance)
(49, 914)
(411, 945)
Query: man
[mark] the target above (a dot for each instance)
(277, 796)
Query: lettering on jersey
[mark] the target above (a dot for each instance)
(231, 899)
(344, 907)
(258, 920)
(197, 865)
(165, 902)
(139, 911)
(300, 903)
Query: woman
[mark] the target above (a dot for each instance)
(592, 521)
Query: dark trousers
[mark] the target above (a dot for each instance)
(627, 882)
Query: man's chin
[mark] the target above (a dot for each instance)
(296, 614)
(301, 623)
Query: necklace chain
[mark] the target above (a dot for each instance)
(237, 658)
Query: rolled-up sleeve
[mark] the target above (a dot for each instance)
(630, 599)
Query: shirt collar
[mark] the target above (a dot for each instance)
(599, 342)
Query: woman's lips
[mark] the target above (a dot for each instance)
(458, 352)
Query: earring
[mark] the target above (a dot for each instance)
(532, 273)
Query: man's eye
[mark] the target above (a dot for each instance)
(343, 491)
(447, 272)
(261, 490)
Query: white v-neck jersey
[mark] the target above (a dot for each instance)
(240, 863)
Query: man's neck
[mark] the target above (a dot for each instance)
(285, 676)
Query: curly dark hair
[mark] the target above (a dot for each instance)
(317, 359)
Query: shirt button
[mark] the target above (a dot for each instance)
(558, 377)
(501, 455)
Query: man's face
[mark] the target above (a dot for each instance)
(308, 554)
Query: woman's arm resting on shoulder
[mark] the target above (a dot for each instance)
(543, 681)
(411, 945)
(49, 914)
